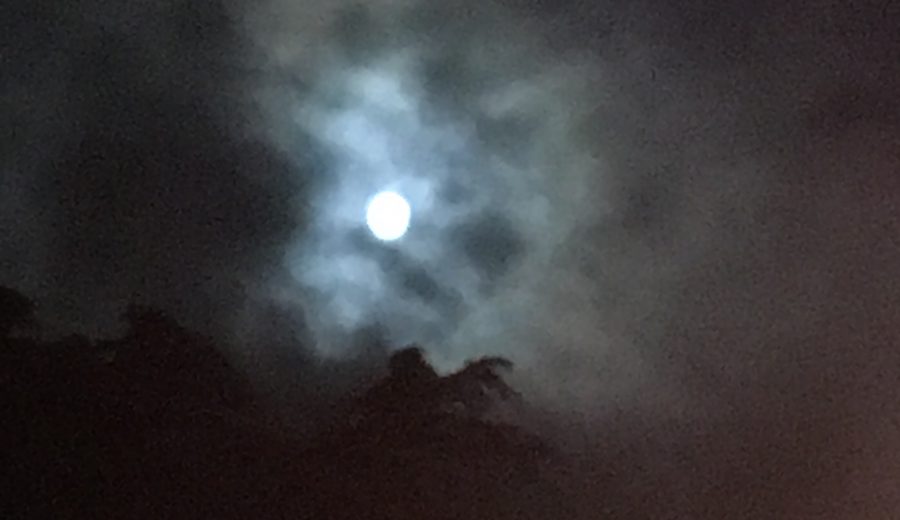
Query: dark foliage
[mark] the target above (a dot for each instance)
(15, 311)
(157, 424)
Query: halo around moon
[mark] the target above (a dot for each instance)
(387, 215)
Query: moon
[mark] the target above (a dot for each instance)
(387, 215)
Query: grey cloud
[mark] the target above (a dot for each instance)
(683, 213)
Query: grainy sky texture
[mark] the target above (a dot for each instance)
(683, 210)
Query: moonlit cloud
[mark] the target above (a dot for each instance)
(496, 180)
(678, 218)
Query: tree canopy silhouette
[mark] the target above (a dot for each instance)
(16, 311)
(423, 445)
(412, 387)
(152, 415)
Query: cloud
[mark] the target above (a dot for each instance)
(483, 149)
(680, 215)
(686, 209)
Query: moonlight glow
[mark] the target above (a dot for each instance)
(387, 215)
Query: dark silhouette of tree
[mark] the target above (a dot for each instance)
(422, 445)
(413, 385)
(16, 311)
(410, 364)
(145, 425)
(413, 390)
(478, 385)
(177, 366)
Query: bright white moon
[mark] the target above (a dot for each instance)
(387, 215)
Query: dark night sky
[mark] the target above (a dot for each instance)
(686, 210)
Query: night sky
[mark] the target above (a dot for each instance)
(681, 220)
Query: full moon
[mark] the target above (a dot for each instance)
(387, 215)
